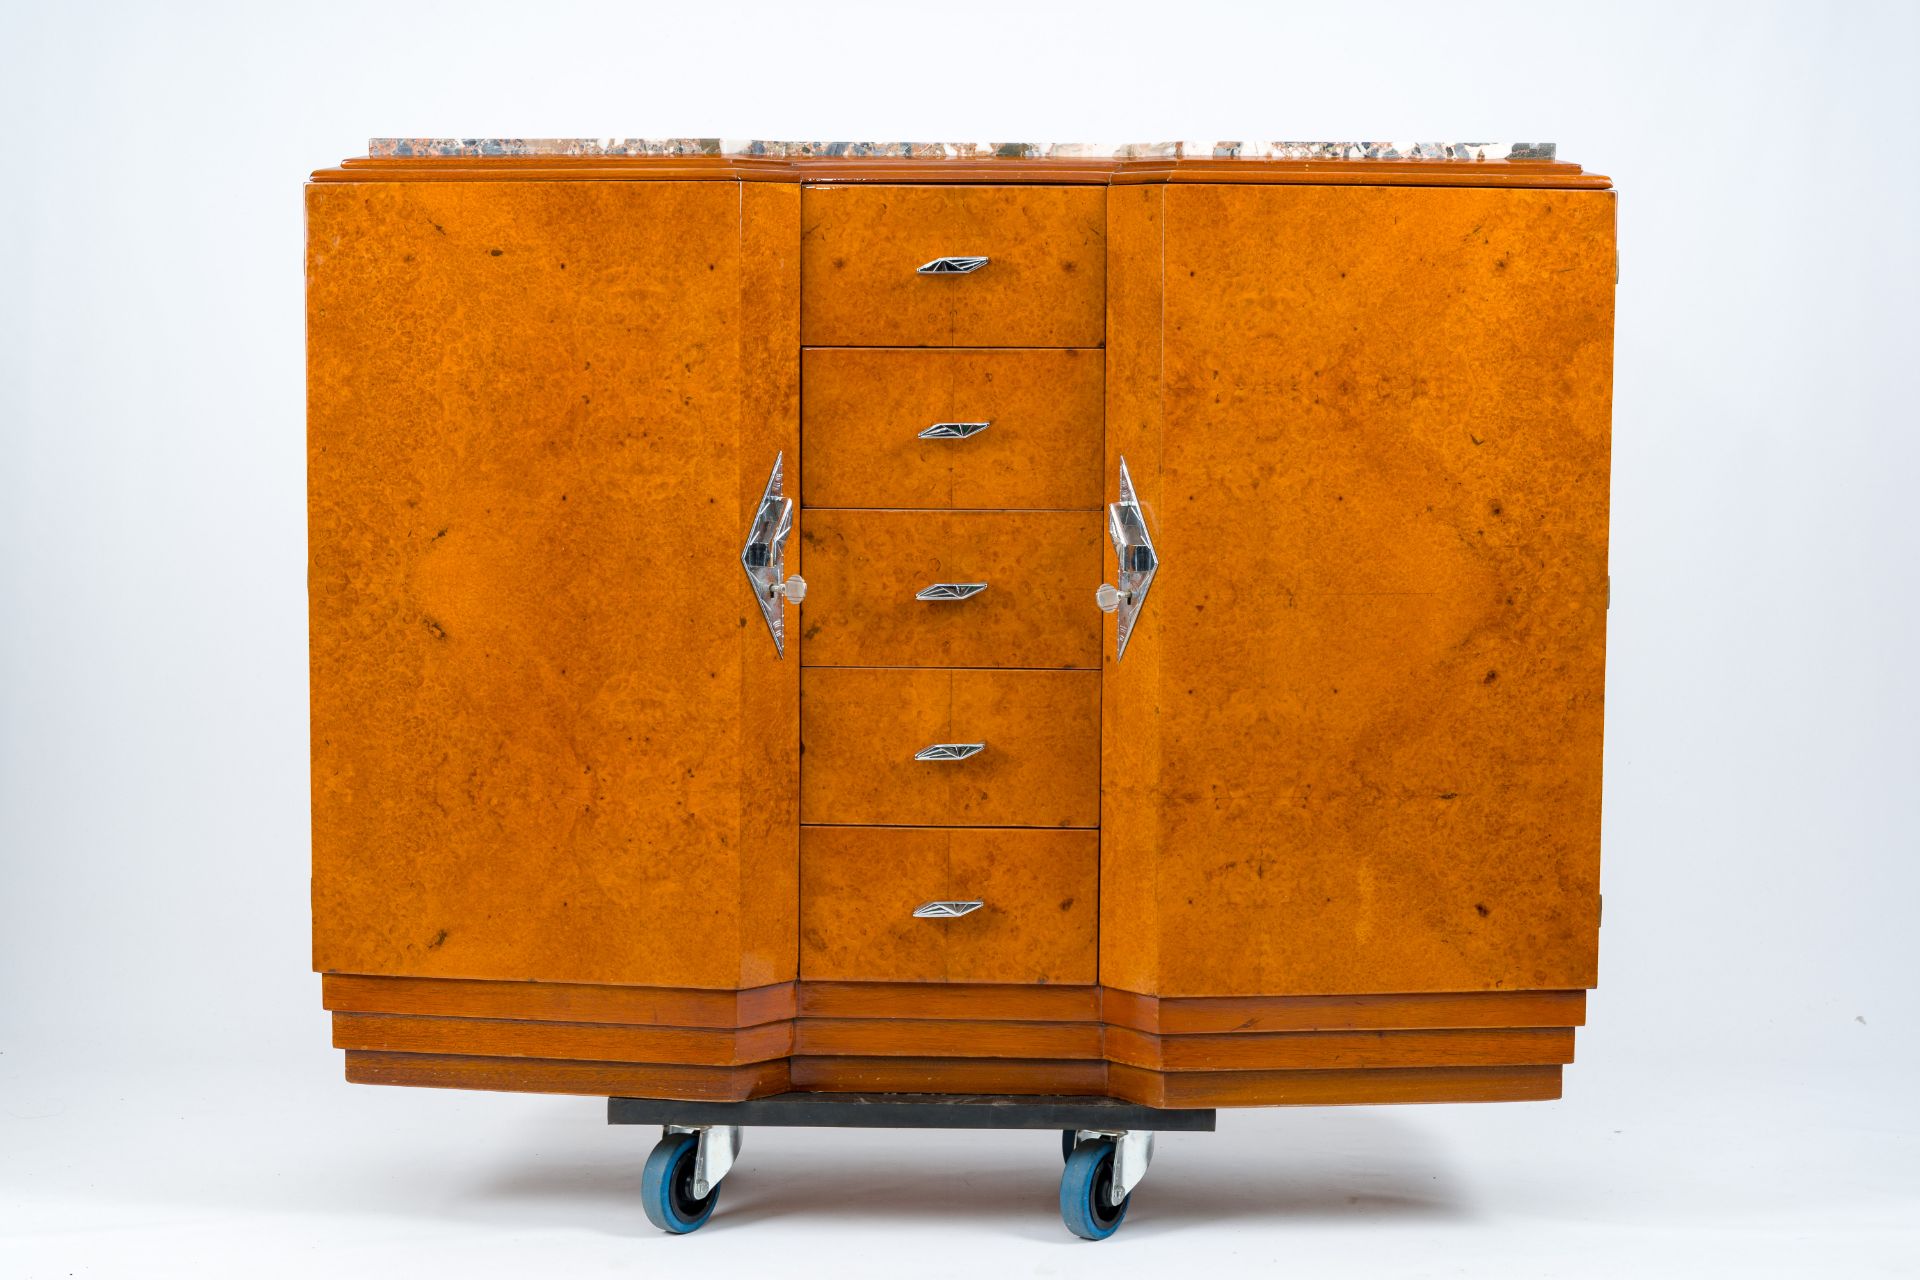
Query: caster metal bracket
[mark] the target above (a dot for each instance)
(1132, 1153)
(713, 1159)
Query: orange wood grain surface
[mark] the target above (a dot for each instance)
(1358, 730)
(1130, 722)
(861, 727)
(1005, 1003)
(1332, 1088)
(864, 569)
(548, 742)
(949, 1075)
(860, 246)
(1205, 1052)
(864, 409)
(1252, 1014)
(1347, 779)
(537, 1075)
(765, 752)
(859, 887)
(671, 1007)
(1177, 1089)
(593, 1042)
(1311, 1050)
(946, 1038)
(558, 1002)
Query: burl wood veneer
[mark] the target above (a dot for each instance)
(861, 727)
(866, 568)
(1359, 729)
(865, 409)
(1327, 834)
(1043, 1038)
(535, 720)
(859, 887)
(860, 246)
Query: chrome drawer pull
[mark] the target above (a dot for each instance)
(950, 591)
(945, 910)
(1133, 551)
(951, 266)
(950, 751)
(764, 557)
(954, 430)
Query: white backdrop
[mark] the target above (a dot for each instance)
(1742, 1100)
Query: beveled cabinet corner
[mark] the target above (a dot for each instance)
(1123, 631)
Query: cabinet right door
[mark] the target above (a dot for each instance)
(1354, 744)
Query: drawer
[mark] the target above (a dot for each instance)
(860, 887)
(865, 570)
(1043, 285)
(861, 727)
(864, 412)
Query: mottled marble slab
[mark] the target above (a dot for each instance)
(398, 147)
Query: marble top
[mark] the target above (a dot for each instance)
(1442, 151)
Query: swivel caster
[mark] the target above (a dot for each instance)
(681, 1182)
(1102, 1171)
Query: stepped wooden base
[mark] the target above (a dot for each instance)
(949, 1038)
(545, 1075)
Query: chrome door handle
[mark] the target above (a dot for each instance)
(950, 591)
(946, 910)
(950, 751)
(764, 557)
(954, 430)
(951, 266)
(1133, 549)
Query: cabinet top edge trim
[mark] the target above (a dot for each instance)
(836, 170)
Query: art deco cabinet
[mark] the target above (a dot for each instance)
(1081, 623)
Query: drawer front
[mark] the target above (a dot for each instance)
(866, 569)
(1043, 285)
(860, 729)
(860, 887)
(866, 410)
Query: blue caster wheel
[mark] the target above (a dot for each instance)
(1083, 1191)
(667, 1186)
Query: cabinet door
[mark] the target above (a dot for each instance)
(1354, 744)
(551, 736)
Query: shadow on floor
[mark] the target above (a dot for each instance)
(1303, 1165)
